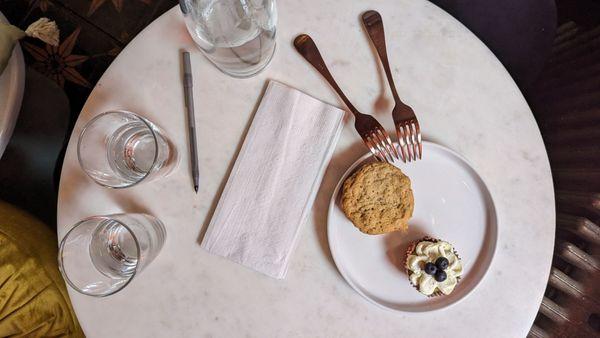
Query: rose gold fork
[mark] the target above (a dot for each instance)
(372, 133)
(405, 120)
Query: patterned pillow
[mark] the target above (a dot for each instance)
(42, 29)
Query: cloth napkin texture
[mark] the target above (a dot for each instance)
(273, 183)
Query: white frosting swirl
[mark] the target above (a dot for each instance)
(427, 251)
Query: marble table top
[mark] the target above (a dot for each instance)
(465, 100)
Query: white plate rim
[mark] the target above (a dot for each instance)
(493, 242)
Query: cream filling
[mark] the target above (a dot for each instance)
(428, 252)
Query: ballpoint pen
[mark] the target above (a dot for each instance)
(189, 105)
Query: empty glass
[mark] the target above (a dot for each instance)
(100, 255)
(237, 36)
(119, 149)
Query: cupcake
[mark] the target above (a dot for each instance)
(433, 266)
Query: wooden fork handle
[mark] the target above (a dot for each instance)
(306, 47)
(374, 26)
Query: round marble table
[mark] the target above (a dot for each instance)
(465, 100)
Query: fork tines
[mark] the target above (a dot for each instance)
(380, 144)
(409, 140)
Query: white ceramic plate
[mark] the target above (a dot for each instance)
(451, 203)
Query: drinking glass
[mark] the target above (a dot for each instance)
(119, 149)
(237, 36)
(100, 255)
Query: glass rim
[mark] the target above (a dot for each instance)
(146, 122)
(61, 256)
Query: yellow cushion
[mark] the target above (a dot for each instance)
(33, 297)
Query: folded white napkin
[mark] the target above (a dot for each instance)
(274, 181)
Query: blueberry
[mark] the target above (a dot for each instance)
(440, 276)
(441, 263)
(430, 268)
